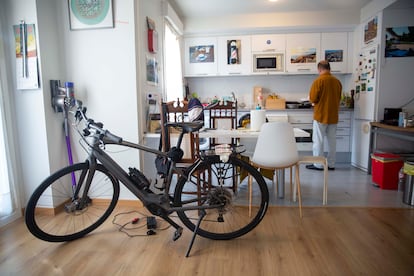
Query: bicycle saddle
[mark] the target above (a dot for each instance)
(187, 127)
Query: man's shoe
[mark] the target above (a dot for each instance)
(331, 168)
(313, 167)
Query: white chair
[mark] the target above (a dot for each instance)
(316, 160)
(276, 150)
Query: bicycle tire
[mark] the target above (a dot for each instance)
(233, 219)
(51, 213)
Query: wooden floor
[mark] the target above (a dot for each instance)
(327, 241)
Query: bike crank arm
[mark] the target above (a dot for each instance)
(178, 229)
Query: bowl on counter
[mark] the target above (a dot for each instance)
(292, 105)
(296, 105)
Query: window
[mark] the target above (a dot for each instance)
(173, 65)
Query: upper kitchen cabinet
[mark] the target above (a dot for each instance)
(303, 53)
(200, 56)
(234, 55)
(334, 48)
(269, 43)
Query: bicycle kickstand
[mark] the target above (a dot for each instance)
(202, 214)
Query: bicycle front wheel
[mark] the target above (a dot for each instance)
(231, 211)
(71, 203)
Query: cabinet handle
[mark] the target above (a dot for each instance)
(304, 69)
(234, 73)
(269, 50)
(336, 71)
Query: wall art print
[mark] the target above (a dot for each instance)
(90, 14)
(399, 41)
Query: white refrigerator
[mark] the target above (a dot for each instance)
(365, 105)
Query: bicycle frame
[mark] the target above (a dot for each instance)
(157, 204)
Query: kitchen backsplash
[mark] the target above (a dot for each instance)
(291, 88)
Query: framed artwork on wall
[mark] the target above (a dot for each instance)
(399, 41)
(90, 14)
(152, 70)
(370, 30)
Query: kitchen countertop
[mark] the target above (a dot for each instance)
(342, 108)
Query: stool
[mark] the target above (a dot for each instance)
(316, 160)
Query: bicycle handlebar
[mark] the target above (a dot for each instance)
(104, 134)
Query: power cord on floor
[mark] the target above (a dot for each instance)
(140, 221)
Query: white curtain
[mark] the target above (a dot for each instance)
(174, 87)
(9, 203)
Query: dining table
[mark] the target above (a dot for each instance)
(247, 133)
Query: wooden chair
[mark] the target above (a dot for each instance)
(177, 111)
(223, 115)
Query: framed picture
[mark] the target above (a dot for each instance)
(152, 70)
(201, 53)
(370, 30)
(399, 41)
(90, 14)
(303, 55)
(334, 55)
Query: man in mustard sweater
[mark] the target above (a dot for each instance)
(325, 96)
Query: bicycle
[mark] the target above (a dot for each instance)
(77, 199)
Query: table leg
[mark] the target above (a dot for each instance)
(281, 183)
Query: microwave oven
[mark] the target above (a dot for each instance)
(268, 62)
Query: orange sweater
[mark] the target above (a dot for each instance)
(325, 94)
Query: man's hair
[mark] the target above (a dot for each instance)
(324, 64)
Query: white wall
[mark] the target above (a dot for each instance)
(396, 82)
(29, 110)
(102, 63)
(154, 10)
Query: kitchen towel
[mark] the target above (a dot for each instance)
(257, 119)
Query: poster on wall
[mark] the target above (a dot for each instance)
(152, 70)
(303, 55)
(27, 74)
(90, 14)
(399, 41)
(334, 55)
(370, 30)
(201, 53)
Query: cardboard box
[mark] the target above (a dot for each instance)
(385, 169)
(275, 103)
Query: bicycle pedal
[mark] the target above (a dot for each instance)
(177, 233)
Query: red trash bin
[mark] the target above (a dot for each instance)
(385, 169)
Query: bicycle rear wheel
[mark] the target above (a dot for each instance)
(210, 184)
(59, 211)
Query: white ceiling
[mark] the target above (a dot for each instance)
(213, 8)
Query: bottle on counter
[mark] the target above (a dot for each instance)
(351, 104)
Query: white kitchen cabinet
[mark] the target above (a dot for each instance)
(234, 55)
(334, 48)
(200, 56)
(269, 43)
(303, 53)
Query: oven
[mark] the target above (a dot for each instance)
(300, 120)
(304, 143)
(304, 121)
